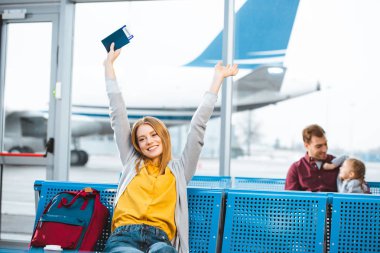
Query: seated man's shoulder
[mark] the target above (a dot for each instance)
(296, 164)
(300, 161)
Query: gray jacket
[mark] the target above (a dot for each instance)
(351, 186)
(183, 169)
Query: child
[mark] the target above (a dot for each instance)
(351, 175)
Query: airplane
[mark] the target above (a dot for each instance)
(262, 34)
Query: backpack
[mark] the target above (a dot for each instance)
(72, 219)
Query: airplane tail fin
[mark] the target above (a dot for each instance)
(262, 34)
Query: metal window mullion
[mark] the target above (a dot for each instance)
(63, 103)
(226, 109)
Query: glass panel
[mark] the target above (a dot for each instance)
(27, 85)
(337, 50)
(154, 72)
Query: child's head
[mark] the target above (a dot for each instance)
(352, 169)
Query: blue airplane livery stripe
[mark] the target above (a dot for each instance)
(261, 26)
(161, 117)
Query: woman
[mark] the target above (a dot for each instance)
(151, 213)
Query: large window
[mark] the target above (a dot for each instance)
(337, 48)
(301, 62)
(153, 72)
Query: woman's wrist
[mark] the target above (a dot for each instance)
(108, 64)
(109, 71)
(216, 83)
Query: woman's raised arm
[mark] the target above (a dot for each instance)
(118, 113)
(194, 143)
(108, 62)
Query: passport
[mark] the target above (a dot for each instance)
(121, 37)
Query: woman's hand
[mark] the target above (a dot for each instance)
(108, 62)
(221, 72)
(112, 54)
(226, 71)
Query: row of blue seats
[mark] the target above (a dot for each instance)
(241, 220)
(205, 208)
(269, 184)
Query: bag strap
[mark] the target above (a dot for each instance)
(85, 193)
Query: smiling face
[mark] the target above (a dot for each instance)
(151, 139)
(352, 169)
(315, 142)
(149, 142)
(345, 171)
(317, 148)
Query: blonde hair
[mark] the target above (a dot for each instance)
(358, 168)
(163, 132)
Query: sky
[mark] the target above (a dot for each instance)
(335, 42)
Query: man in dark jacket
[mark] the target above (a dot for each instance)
(308, 174)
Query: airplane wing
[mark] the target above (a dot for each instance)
(263, 86)
(262, 78)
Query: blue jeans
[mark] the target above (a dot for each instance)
(139, 238)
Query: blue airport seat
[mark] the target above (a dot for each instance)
(211, 182)
(355, 223)
(374, 187)
(270, 221)
(266, 184)
(205, 211)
